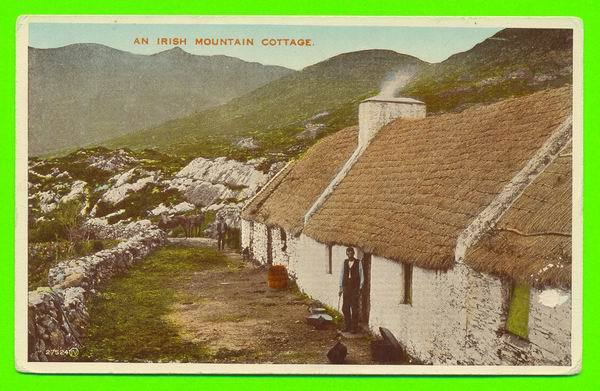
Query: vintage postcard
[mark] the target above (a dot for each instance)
(299, 195)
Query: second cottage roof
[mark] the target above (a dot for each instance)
(532, 241)
(284, 201)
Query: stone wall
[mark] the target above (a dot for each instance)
(57, 314)
(56, 321)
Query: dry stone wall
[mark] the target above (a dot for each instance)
(57, 315)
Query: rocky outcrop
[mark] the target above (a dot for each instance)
(57, 314)
(182, 207)
(127, 183)
(208, 181)
(114, 161)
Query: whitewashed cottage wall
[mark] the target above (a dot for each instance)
(259, 242)
(281, 247)
(456, 317)
(313, 266)
(254, 236)
(432, 327)
(246, 233)
(550, 329)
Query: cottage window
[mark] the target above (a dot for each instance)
(407, 271)
(329, 259)
(269, 246)
(283, 239)
(517, 322)
(251, 235)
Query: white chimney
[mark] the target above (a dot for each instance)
(375, 112)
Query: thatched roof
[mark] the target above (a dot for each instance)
(532, 241)
(420, 183)
(286, 199)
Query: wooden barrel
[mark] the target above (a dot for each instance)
(277, 277)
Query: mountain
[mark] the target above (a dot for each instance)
(85, 93)
(289, 112)
(285, 116)
(510, 63)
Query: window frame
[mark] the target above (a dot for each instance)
(407, 279)
(518, 327)
(283, 237)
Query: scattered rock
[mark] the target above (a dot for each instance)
(319, 321)
(246, 143)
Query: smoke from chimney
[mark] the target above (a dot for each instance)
(394, 82)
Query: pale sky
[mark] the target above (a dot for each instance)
(432, 44)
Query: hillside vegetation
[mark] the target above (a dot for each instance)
(281, 119)
(322, 96)
(513, 62)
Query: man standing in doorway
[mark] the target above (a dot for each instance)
(351, 284)
(221, 233)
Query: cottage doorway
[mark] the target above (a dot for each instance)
(269, 246)
(365, 297)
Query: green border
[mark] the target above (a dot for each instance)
(584, 9)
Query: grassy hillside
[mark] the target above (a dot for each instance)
(326, 95)
(512, 62)
(273, 115)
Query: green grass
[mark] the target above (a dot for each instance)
(127, 320)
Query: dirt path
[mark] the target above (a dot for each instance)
(238, 318)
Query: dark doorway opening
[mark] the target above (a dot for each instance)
(365, 296)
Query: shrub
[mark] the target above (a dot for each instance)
(97, 245)
(79, 248)
(46, 231)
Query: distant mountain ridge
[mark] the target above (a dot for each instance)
(280, 119)
(512, 62)
(85, 93)
(275, 114)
